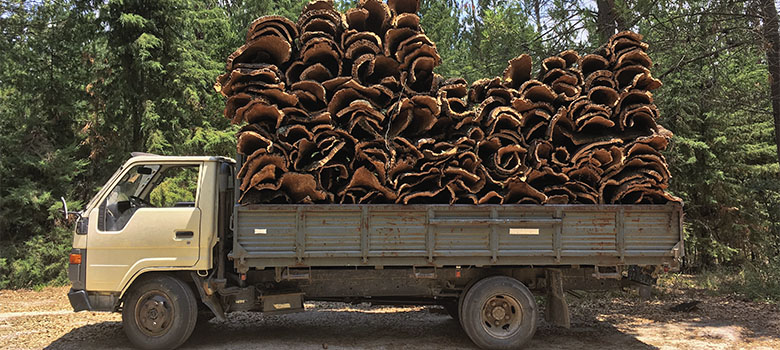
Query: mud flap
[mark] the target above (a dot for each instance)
(557, 309)
(211, 301)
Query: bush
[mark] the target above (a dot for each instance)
(759, 281)
(3, 273)
(754, 281)
(42, 260)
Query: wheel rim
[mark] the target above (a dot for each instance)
(154, 313)
(502, 316)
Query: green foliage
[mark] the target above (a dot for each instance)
(83, 83)
(502, 34)
(750, 281)
(477, 42)
(43, 71)
(179, 185)
(758, 281)
(442, 24)
(41, 260)
(44, 261)
(715, 99)
(207, 140)
(161, 70)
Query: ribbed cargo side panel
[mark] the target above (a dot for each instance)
(533, 244)
(267, 232)
(541, 242)
(467, 238)
(394, 235)
(649, 230)
(396, 231)
(589, 231)
(460, 238)
(332, 230)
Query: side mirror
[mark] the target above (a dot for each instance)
(65, 208)
(65, 211)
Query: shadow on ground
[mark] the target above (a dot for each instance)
(725, 321)
(347, 328)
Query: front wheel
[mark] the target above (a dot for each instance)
(159, 312)
(499, 313)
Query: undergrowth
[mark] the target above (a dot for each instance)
(39, 262)
(759, 282)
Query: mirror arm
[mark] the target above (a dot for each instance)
(66, 212)
(65, 207)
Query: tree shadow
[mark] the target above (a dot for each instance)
(588, 331)
(716, 320)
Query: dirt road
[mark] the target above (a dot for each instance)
(618, 320)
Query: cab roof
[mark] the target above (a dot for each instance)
(140, 156)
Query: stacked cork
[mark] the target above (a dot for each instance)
(347, 108)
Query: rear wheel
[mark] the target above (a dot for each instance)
(159, 312)
(499, 313)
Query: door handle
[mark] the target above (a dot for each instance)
(184, 234)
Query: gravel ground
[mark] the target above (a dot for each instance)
(616, 320)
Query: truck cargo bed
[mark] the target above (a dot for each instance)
(449, 235)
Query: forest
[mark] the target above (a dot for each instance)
(85, 82)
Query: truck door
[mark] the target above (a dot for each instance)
(150, 219)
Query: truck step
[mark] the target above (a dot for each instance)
(282, 303)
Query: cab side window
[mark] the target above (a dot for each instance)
(148, 186)
(177, 187)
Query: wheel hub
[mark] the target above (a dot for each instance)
(154, 313)
(501, 316)
(499, 312)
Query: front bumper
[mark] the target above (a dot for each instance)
(82, 300)
(79, 300)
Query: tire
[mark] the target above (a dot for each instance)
(461, 297)
(460, 305)
(159, 312)
(499, 313)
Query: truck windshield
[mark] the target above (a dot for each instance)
(94, 201)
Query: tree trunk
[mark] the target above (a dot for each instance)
(477, 42)
(136, 121)
(538, 15)
(606, 21)
(622, 20)
(771, 33)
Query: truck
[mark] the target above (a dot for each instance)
(165, 242)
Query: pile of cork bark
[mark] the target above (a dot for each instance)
(346, 108)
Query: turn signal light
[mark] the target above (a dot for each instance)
(75, 259)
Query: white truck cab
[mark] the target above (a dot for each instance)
(155, 213)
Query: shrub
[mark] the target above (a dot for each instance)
(755, 281)
(42, 260)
